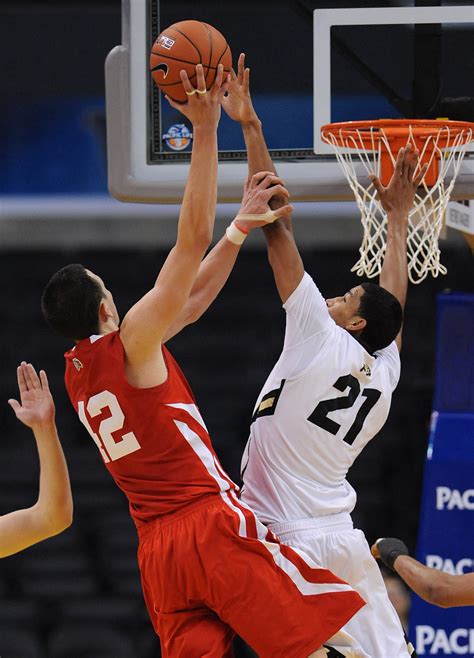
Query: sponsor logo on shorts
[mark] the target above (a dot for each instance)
(465, 565)
(437, 641)
(166, 42)
(448, 499)
(178, 137)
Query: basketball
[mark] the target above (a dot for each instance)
(182, 46)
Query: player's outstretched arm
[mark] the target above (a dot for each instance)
(436, 587)
(283, 253)
(217, 266)
(52, 513)
(146, 324)
(397, 200)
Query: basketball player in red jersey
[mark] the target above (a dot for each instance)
(208, 567)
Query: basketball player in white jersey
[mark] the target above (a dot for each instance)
(328, 395)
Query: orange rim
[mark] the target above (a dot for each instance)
(365, 133)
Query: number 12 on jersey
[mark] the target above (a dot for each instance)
(110, 448)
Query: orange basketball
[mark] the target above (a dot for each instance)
(182, 46)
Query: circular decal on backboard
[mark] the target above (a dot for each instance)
(178, 137)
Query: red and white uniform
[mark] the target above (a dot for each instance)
(208, 566)
(153, 441)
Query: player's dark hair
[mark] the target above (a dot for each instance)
(70, 302)
(383, 314)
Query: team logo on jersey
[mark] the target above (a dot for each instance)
(366, 370)
(166, 42)
(77, 364)
(268, 403)
(178, 137)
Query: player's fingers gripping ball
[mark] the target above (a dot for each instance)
(181, 47)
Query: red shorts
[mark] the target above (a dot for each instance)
(213, 569)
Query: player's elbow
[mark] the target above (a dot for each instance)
(61, 523)
(53, 522)
(438, 594)
(201, 235)
(197, 244)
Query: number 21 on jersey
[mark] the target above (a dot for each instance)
(320, 414)
(110, 448)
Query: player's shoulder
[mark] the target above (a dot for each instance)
(94, 349)
(306, 286)
(389, 354)
(389, 359)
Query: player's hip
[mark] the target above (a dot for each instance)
(329, 523)
(334, 544)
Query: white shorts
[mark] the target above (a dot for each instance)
(332, 542)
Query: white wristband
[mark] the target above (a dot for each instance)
(234, 234)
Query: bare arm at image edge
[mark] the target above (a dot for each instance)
(52, 512)
(436, 587)
(433, 586)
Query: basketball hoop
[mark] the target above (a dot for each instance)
(375, 144)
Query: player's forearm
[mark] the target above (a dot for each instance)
(52, 513)
(196, 219)
(211, 278)
(54, 506)
(283, 254)
(259, 159)
(394, 273)
(284, 258)
(213, 274)
(426, 582)
(257, 152)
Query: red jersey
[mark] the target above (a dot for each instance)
(153, 440)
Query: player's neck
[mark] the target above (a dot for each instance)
(107, 327)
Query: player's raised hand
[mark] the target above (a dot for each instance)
(36, 406)
(399, 195)
(203, 108)
(255, 210)
(238, 103)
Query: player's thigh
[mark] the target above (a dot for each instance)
(376, 627)
(276, 599)
(195, 633)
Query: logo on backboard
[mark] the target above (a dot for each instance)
(77, 364)
(178, 137)
(166, 42)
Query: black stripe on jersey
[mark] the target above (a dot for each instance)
(268, 403)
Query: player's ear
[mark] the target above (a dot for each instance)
(356, 323)
(105, 311)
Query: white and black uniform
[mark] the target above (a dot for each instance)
(324, 400)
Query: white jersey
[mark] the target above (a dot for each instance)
(324, 400)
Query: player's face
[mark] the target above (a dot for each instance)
(107, 295)
(345, 309)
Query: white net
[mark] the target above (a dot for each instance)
(427, 217)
